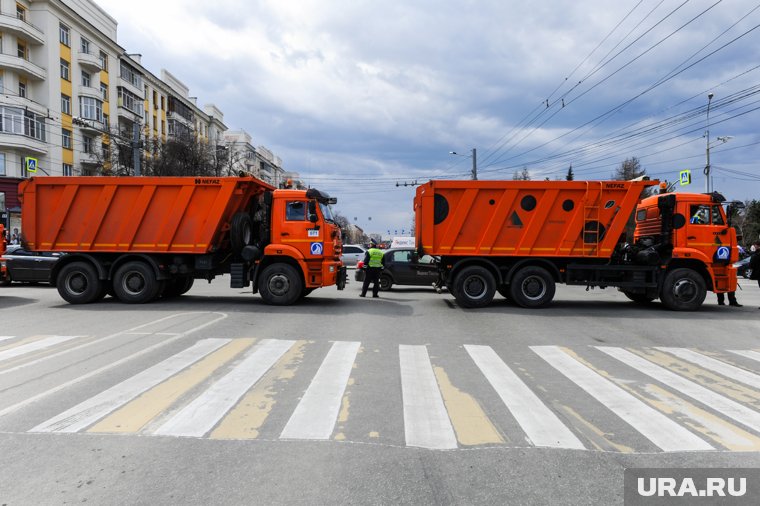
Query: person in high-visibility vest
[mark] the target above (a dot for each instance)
(374, 261)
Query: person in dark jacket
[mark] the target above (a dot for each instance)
(374, 260)
(754, 263)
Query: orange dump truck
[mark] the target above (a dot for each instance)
(139, 239)
(520, 238)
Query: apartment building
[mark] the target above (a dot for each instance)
(260, 162)
(65, 81)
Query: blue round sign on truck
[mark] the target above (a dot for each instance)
(316, 248)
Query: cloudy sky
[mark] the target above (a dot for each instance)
(358, 96)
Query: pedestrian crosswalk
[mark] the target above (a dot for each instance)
(433, 396)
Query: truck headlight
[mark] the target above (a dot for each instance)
(332, 268)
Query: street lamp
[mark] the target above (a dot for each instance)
(474, 157)
(707, 134)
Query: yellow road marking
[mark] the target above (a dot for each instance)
(708, 379)
(246, 419)
(138, 413)
(471, 424)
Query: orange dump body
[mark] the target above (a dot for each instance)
(524, 218)
(147, 214)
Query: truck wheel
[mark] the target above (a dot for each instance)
(135, 283)
(385, 282)
(78, 283)
(683, 290)
(305, 292)
(280, 285)
(532, 287)
(241, 231)
(474, 286)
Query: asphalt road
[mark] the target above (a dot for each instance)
(215, 398)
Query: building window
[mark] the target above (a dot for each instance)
(20, 12)
(85, 79)
(84, 46)
(66, 104)
(91, 108)
(2, 164)
(88, 145)
(15, 120)
(2, 86)
(66, 138)
(21, 50)
(64, 35)
(104, 61)
(104, 91)
(68, 169)
(22, 89)
(130, 101)
(131, 76)
(105, 119)
(65, 70)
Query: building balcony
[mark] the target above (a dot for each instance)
(89, 61)
(22, 143)
(23, 67)
(25, 103)
(89, 91)
(89, 125)
(140, 92)
(89, 159)
(20, 28)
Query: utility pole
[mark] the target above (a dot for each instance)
(474, 164)
(707, 134)
(136, 146)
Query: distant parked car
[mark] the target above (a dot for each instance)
(742, 268)
(402, 267)
(352, 253)
(25, 266)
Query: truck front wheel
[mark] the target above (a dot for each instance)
(532, 287)
(474, 287)
(280, 285)
(78, 283)
(135, 283)
(683, 290)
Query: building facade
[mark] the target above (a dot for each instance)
(69, 92)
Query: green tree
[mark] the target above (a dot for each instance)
(629, 169)
(570, 176)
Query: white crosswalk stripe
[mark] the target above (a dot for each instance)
(426, 421)
(747, 353)
(34, 346)
(727, 370)
(95, 408)
(200, 416)
(6, 338)
(658, 428)
(315, 415)
(541, 425)
(724, 405)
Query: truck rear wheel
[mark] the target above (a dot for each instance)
(639, 298)
(178, 286)
(135, 283)
(78, 283)
(280, 285)
(683, 290)
(474, 286)
(532, 287)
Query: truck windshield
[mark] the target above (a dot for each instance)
(327, 212)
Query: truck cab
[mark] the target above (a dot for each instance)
(704, 245)
(303, 235)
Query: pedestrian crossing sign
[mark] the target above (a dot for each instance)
(31, 165)
(685, 177)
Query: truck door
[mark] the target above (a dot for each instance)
(299, 232)
(706, 228)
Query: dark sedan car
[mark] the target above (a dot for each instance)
(402, 267)
(743, 269)
(25, 266)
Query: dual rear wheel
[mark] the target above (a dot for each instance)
(531, 287)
